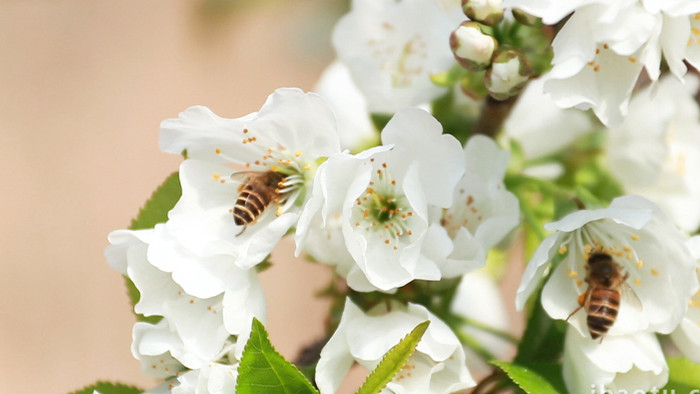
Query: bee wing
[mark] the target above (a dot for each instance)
(242, 176)
(630, 296)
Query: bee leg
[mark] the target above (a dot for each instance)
(581, 301)
(573, 313)
(245, 226)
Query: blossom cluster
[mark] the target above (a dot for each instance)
(658, 281)
(417, 207)
(420, 206)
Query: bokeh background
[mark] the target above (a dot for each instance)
(84, 85)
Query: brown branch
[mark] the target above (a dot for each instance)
(493, 114)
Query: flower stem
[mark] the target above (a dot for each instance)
(493, 114)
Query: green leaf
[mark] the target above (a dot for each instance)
(154, 211)
(161, 202)
(393, 361)
(526, 378)
(550, 371)
(263, 370)
(684, 376)
(109, 388)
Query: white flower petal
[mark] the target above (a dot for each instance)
(438, 366)
(535, 270)
(391, 48)
(618, 363)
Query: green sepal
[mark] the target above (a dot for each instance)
(109, 388)
(393, 361)
(448, 78)
(684, 376)
(526, 378)
(263, 370)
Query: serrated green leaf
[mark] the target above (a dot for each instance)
(684, 376)
(393, 361)
(526, 378)
(161, 202)
(109, 388)
(263, 370)
(551, 372)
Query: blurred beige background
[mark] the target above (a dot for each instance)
(84, 85)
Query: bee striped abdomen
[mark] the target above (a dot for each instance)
(602, 311)
(250, 204)
(256, 192)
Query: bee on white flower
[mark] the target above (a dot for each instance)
(290, 135)
(649, 248)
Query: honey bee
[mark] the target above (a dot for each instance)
(601, 301)
(256, 192)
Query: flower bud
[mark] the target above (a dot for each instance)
(508, 73)
(488, 12)
(471, 47)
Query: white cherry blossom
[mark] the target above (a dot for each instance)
(392, 47)
(214, 378)
(154, 345)
(655, 152)
(355, 128)
(290, 134)
(194, 333)
(210, 276)
(380, 201)
(483, 212)
(437, 365)
(650, 249)
(630, 364)
(603, 47)
(687, 335)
